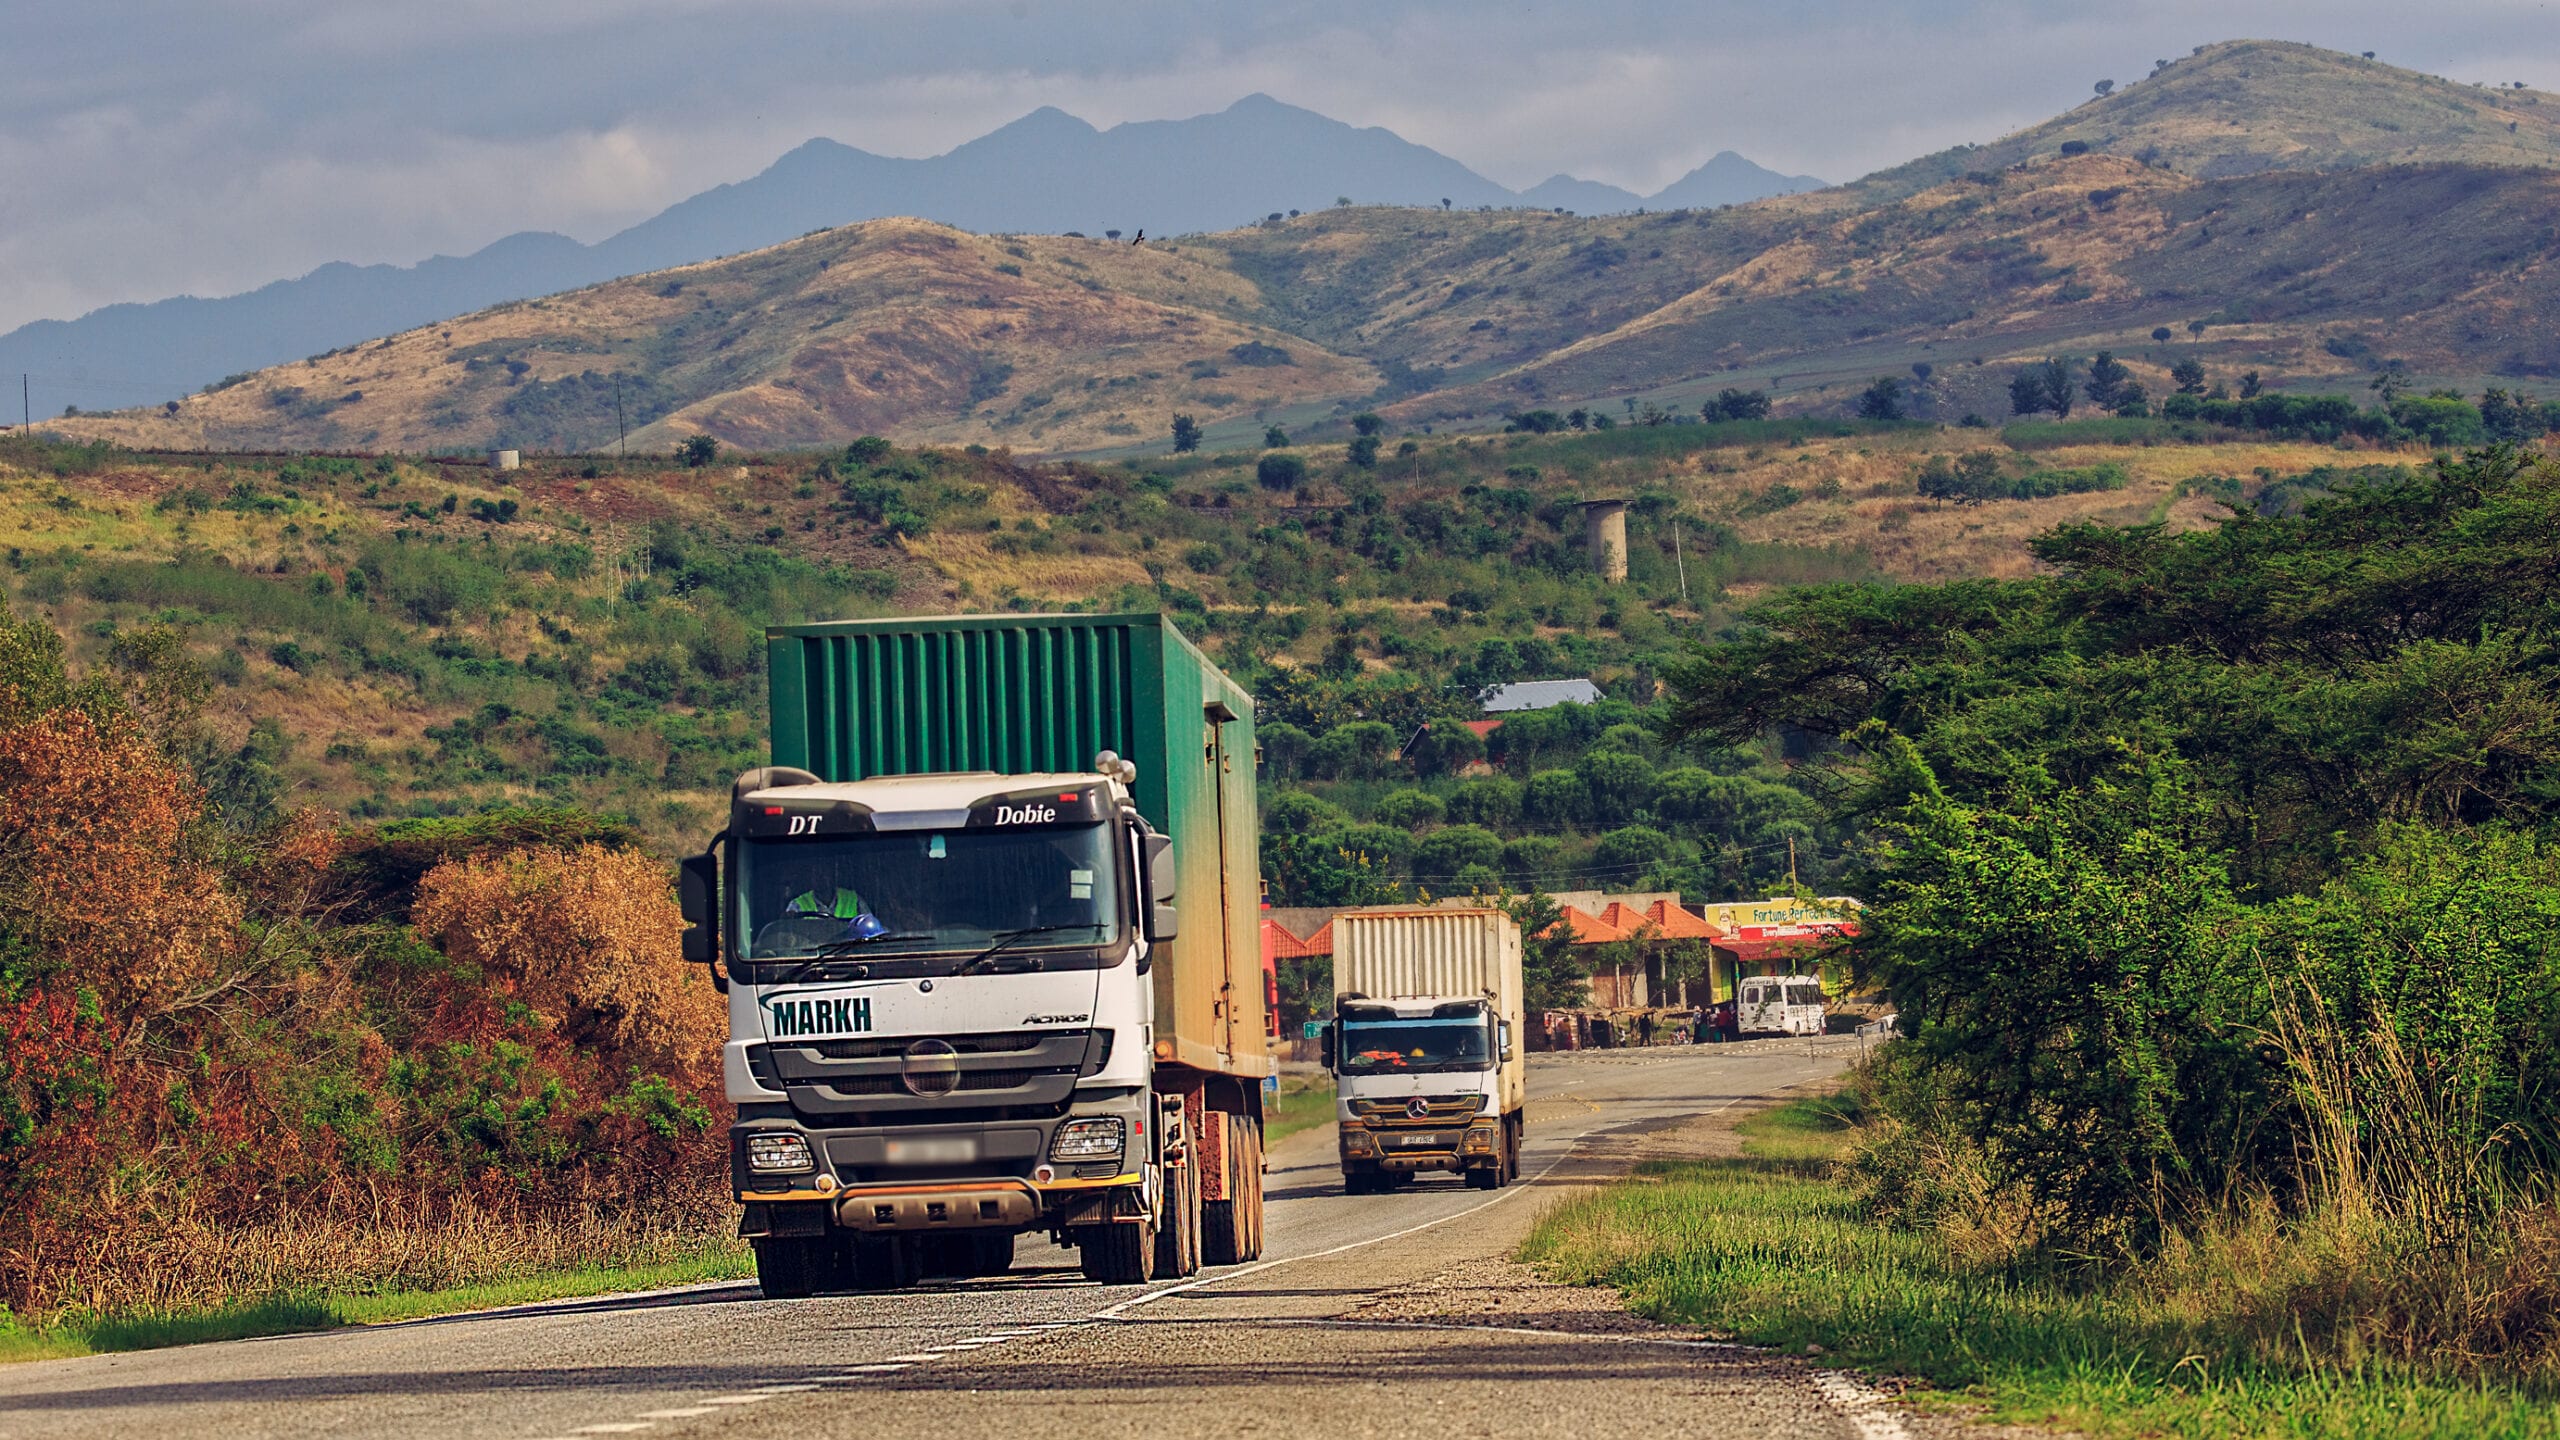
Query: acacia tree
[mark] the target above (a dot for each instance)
(1882, 400)
(1552, 974)
(1186, 433)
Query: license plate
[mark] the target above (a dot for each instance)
(932, 1152)
(1426, 1142)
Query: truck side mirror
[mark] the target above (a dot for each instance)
(1506, 1041)
(698, 898)
(1328, 1047)
(1163, 920)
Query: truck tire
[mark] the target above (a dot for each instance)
(1116, 1254)
(1253, 1182)
(991, 1254)
(887, 1262)
(1365, 1180)
(1226, 1225)
(1511, 1127)
(790, 1267)
(1178, 1229)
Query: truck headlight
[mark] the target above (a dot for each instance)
(1097, 1138)
(783, 1154)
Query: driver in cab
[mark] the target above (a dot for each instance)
(824, 900)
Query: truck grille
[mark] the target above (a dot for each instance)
(891, 1047)
(1023, 1074)
(1385, 1110)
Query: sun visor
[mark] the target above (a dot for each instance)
(803, 818)
(1054, 805)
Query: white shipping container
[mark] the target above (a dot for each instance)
(1417, 954)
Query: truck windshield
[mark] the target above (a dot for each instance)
(1384, 1046)
(920, 892)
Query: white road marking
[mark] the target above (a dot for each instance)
(917, 1358)
(1863, 1406)
(1602, 1335)
(782, 1388)
(685, 1414)
(612, 1427)
(736, 1399)
(855, 1372)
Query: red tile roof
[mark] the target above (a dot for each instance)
(1586, 928)
(1279, 944)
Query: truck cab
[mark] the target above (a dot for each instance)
(940, 1000)
(1420, 1086)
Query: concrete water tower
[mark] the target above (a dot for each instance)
(1604, 525)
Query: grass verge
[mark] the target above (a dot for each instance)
(1771, 1250)
(76, 1334)
(1306, 1101)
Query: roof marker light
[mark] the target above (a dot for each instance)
(773, 809)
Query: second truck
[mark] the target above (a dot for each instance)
(988, 928)
(1425, 1045)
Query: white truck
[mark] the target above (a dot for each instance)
(1425, 1045)
(988, 976)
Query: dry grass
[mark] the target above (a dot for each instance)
(1861, 494)
(181, 1263)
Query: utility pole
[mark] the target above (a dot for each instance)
(26, 407)
(1791, 863)
(1677, 559)
(621, 431)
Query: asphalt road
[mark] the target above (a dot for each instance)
(1368, 1315)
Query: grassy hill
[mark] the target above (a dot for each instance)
(412, 636)
(2248, 106)
(895, 325)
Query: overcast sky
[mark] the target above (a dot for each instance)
(149, 149)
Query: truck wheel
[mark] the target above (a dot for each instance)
(1226, 1226)
(1485, 1177)
(1511, 1150)
(990, 1254)
(1116, 1254)
(789, 1268)
(1253, 1189)
(887, 1262)
(1178, 1231)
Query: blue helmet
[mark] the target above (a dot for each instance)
(865, 926)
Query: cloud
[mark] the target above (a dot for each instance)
(149, 149)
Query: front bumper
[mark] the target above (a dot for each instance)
(1426, 1146)
(970, 1175)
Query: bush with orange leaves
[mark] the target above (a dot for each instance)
(202, 1038)
(591, 941)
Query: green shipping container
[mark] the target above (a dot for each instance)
(1023, 694)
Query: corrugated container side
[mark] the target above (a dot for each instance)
(1409, 953)
(1018, 694)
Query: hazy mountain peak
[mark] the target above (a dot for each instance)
(1047, 171)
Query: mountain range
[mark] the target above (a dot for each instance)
(1045, 173)
(2231, 209)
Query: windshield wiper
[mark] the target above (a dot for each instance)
(1005, 940)
(834, 948)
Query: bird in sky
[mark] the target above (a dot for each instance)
(1142, 236)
